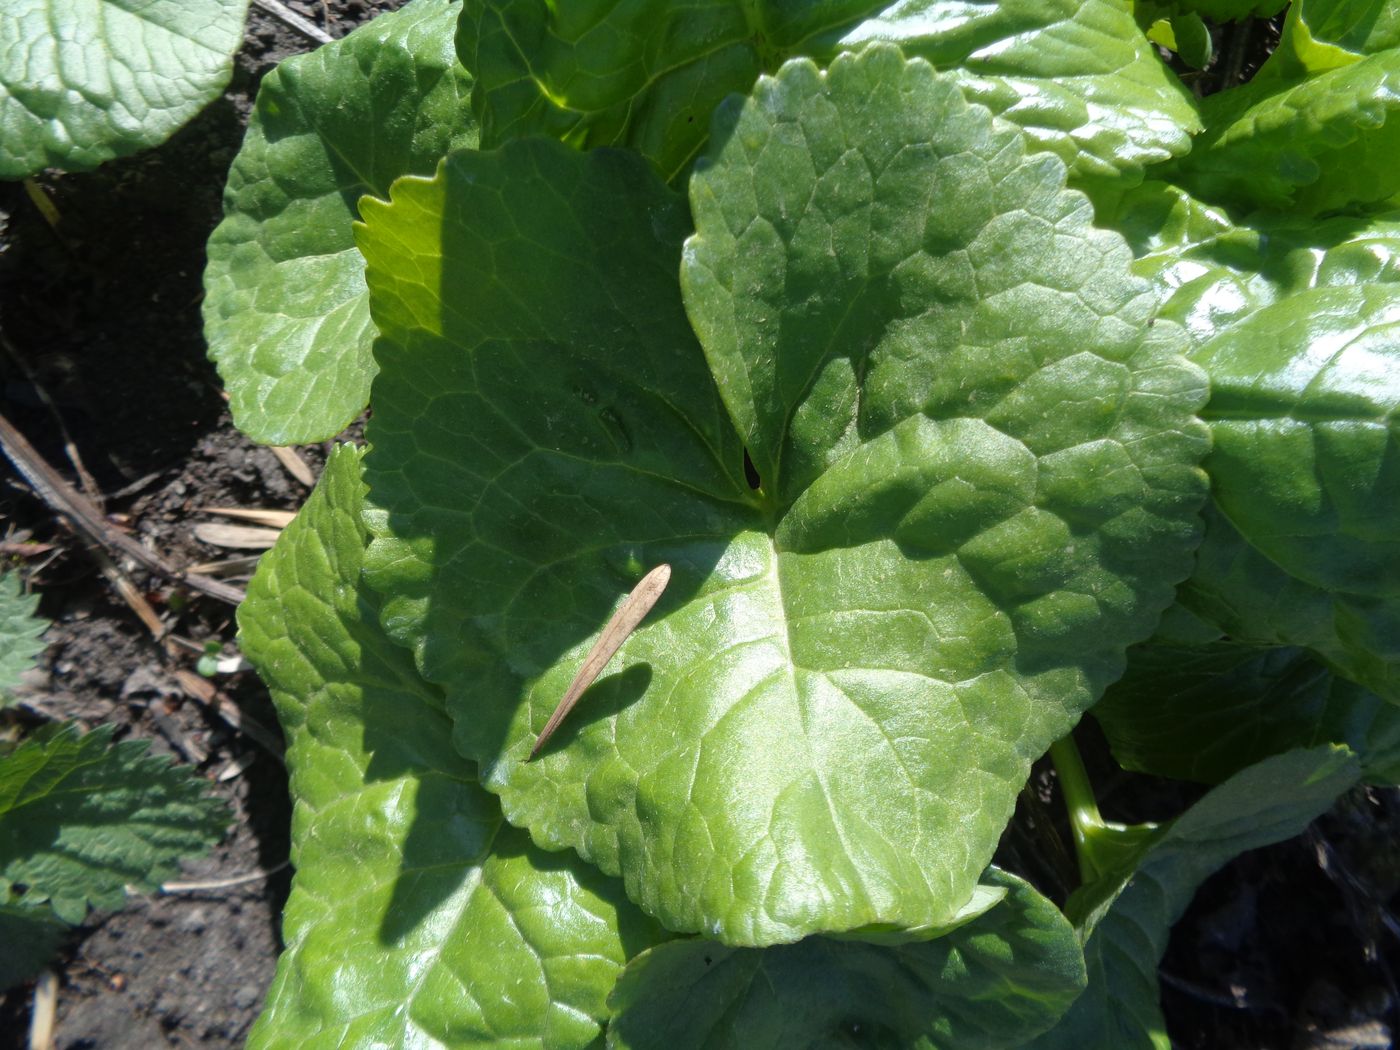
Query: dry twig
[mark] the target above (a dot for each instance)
(87, 520)
(291, 18)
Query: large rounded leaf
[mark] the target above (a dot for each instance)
(416, 917)
(977, 469)
(285, 310)
(83, 81)
(1003, 977)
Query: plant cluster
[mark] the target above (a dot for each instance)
(970, 373)
(82, 819)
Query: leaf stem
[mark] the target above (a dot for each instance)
(1080, 802)
(1099, 845)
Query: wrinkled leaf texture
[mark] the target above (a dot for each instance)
(978, 486)
(82, 818)
(83, 81)
(416, 916)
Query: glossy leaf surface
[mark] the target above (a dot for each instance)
(824, 723)
(1125, 920)
(1305, 415)
(1077, 76)
(994, 982)
(1204, 713)
(83, 81)
(1215, 268)
(1319, 35)
(82, 818)
(414, 906)
(286, 313)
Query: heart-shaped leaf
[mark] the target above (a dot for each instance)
(416, 915)
(977, 485)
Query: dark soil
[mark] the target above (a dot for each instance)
(1289, 948)
(102, 314)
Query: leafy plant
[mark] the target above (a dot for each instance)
(943, 367)
(81, 818)
(81, 84)
(21, 634)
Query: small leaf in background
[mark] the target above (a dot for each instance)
(643, 75)
(416, 915)
(1125, 919)
(1076, 75)
(994, 982)
(286, 313)
(1319, 35)
(31, 937)
(21, 633)
(824, 723)
(1305, 146)
(81, 83)
(82, 818)
(1206, 712)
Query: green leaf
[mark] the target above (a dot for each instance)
(21, 633)
(1125, 920)
(978, 485)
(1077, 76)
(1206, 712)
(1215, 269)
(1319, 35)
(416, 916)
(82, 818)
(994, 982)
(286, 313)
(1305, 415)
(645, 74)
(31, 936)
(1254, 601)
(83, 83)
(1304, 146)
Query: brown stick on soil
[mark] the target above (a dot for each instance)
(78, 511)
